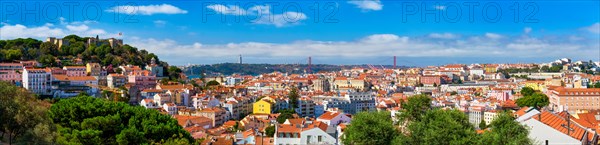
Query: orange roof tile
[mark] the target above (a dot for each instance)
(560, 124)
(329, 115)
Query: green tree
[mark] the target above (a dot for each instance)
(595, 85)
(88, 120)
(47, 60)
(23, 117)
(536, 100)
(293, 96)
(370, 128)
(49, 48)
(284, 115)
(414, 108)
(174, 72)
(482, 124)
(527, 91)
(13, 54)
(504, 130)
(439, 127)
(453, 93)
(212, 83)
(270, 131)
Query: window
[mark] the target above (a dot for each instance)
(319, 138)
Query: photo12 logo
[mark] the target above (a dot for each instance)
(453, 12)
(51, 11)
(129, 12)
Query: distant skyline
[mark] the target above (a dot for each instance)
(332, 32)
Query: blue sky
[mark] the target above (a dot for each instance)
(333, 32)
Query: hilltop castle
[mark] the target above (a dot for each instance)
(112, 42)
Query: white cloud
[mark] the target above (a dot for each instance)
(493, 35)
(367, 5)
(21, 31)
(160, 23)
(595, 28)
(383, 38)
(79, 28)
(147, 9)
(443, 35)
(48, 30)
(527, 45)
(281, 20)
(227, 10)
(373, 46)
(262, 14)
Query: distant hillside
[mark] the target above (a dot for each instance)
(256, 69)
(48, 53)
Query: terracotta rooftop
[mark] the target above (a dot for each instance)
(560, 124)
(577, 91)
(328, 115)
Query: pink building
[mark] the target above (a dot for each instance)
(11, 72)
(500, 94)
(431, 79)
(75, 71)
(143, 79)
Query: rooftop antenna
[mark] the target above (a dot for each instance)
(240, 59)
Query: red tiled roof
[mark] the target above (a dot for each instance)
(329, 115)
(560, 124)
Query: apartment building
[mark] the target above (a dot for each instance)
(350, 103)
(38, 81)
(68, 86)
(11, 72)
(116, 80)
(216, 114)
(75, 71)
(306, 107)
(143, 79)
(574, 99)
(306, 132)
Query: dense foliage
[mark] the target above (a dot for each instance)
(270, 131)
(293, 97)
(421, 124)
(439, 127)
(284, 115)
(536, 100)
(87, 120)
(506, 131)
(532, 98)
(47, 53)
(415, 107)
(23, 118)
(527, 91)
(370, 128)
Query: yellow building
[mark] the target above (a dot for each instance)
(491, 68)
(535, 85)
(93, 69)
(263, 107)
